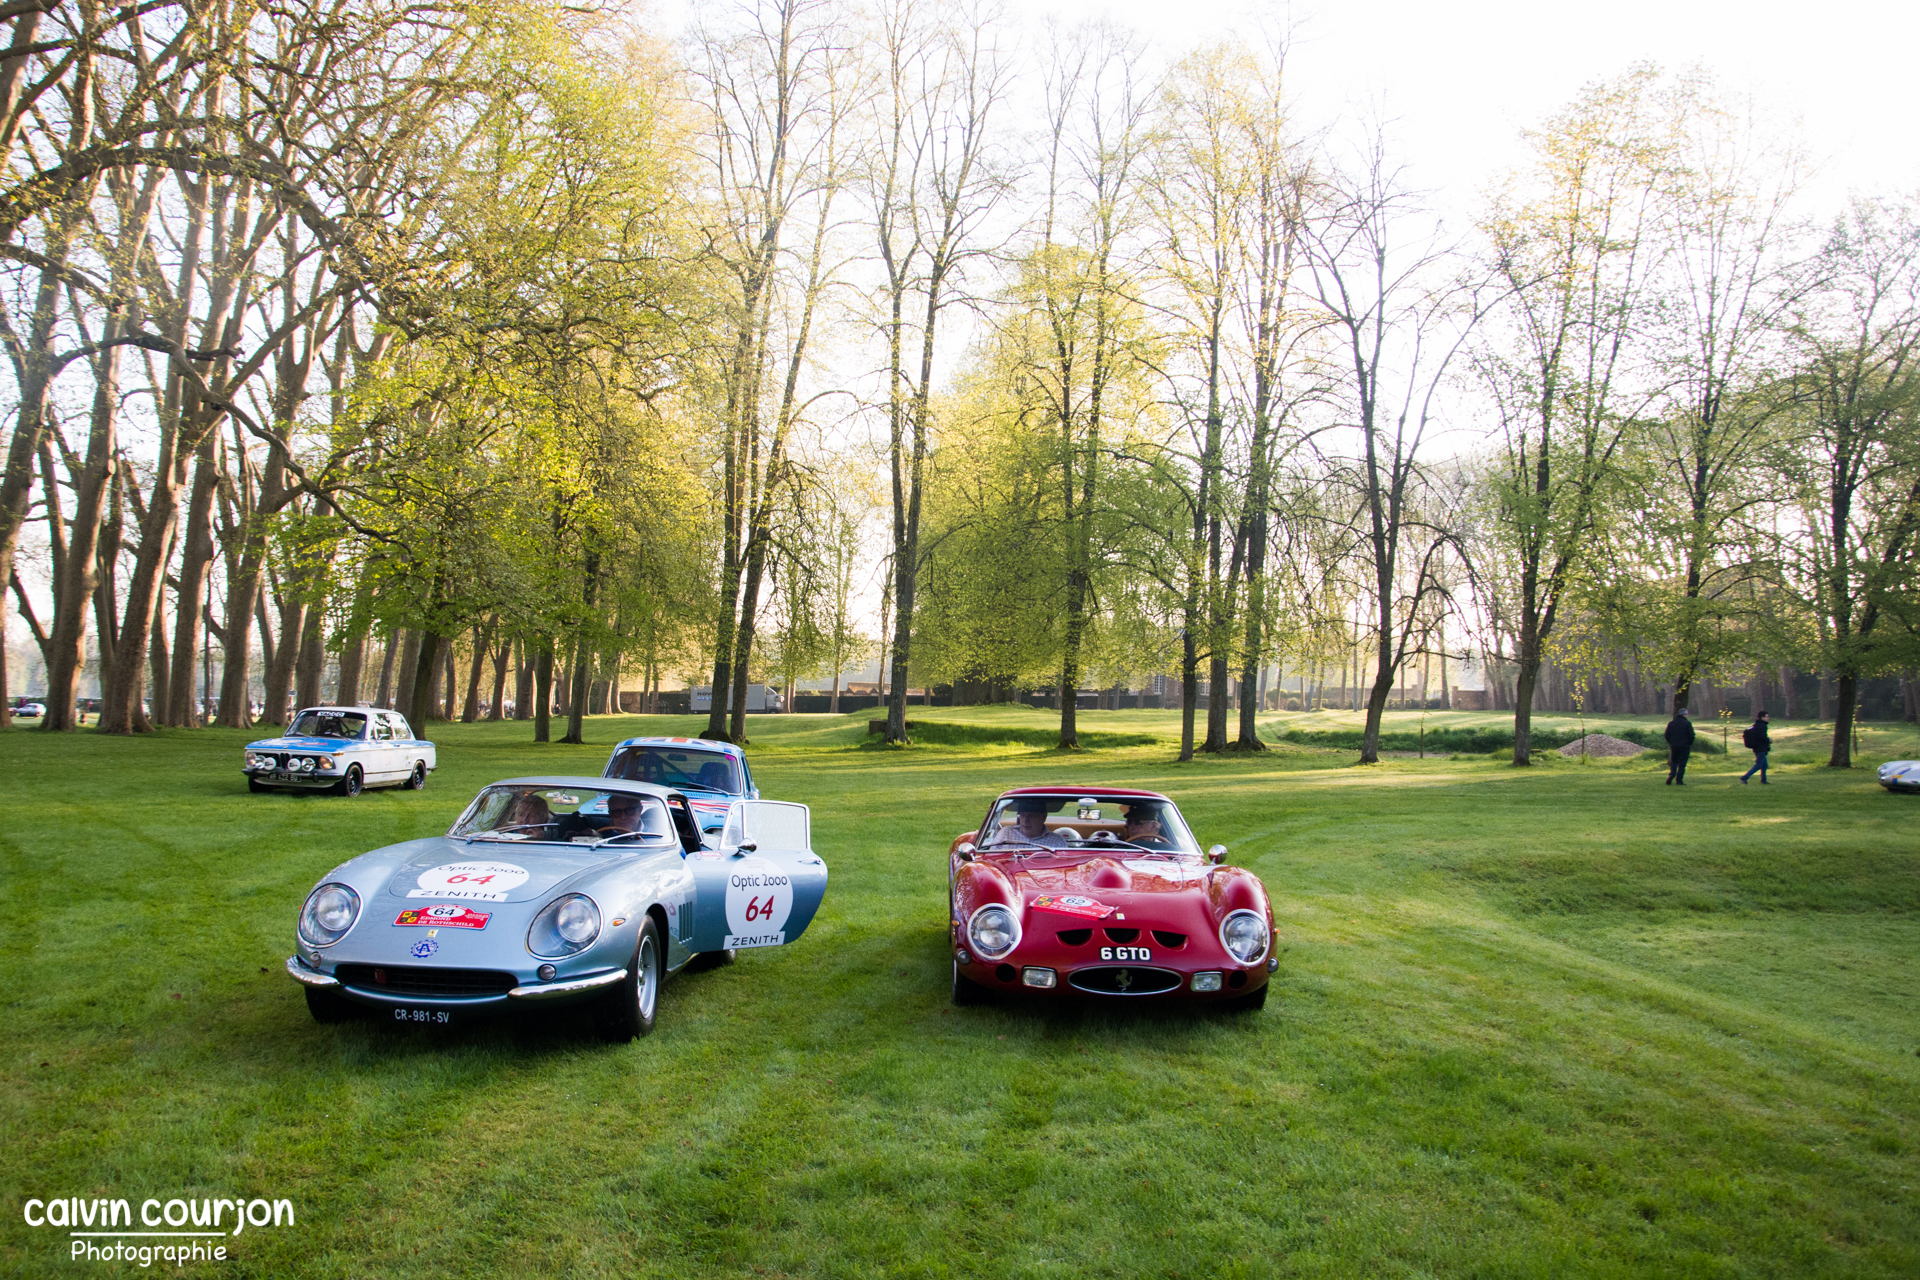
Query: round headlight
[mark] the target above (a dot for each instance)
(1244, 935)
(576, 920)
(564, 926)
(326, 762)
(993, 930)
(330, 912)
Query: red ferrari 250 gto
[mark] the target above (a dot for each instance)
(1103, 891)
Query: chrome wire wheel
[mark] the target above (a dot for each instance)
(647, 984)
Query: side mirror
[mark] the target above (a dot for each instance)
(1217, 854)
(748, 847)
(965, 851)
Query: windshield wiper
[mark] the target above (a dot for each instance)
(500, 833)
(700, 786)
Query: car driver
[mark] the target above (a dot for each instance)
(1142, 827)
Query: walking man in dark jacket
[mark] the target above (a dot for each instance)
(1679, 737)
(1759, 742)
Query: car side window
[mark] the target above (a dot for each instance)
(400, 727)
(382, 729)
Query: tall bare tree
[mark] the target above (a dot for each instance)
(934, 183)
(1402, 315)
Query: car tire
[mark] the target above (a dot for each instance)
(330, 1006)
(257, 787)
(1250, 1004)
(704, 960)
(418, 778)
(966, 991)
(631, 1007)
(352, 784)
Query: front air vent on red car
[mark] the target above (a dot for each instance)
(1075, 937)
(1171, 941)
(1121, 936)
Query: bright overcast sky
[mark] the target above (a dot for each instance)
(1459, 81)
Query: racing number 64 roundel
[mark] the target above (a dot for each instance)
(762, 885)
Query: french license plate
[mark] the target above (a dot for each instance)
(1126, 953)
(436, 1017)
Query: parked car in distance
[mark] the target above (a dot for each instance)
(1900, 775)
(1103, 892)
(551, 891)
(29, 709)
(341, 749)
(713, 775)
(760, 697)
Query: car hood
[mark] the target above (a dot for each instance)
(303, 744)
(1137, 889)
(442, 869)
(1115, 877)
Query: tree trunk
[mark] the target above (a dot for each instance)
(1844, 704)
(743, 637)
(543, 692)
(405, 672)
(156, 659)
(448, 679)
(523, 694)
(426, 667)
(313, 657)
(502, 658)
(1189, 686)
(582, 685)
(383, 697)
(1524, 682)
(1788, 678)
(470, 709)
(190, 594)
(353, 649)
(77, 569)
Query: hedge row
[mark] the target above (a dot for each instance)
(940, 733)
(1483, 741)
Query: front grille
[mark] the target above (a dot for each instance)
(1119, 981)
(412, 980)
(1121, 936)
(1075, 937)
(1171, 941)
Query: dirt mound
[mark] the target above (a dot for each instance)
(1601, 744)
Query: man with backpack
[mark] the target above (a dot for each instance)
(1679, 736)
(1758, 742)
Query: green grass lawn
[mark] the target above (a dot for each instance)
(1560, 1021)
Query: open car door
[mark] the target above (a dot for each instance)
(761, 884)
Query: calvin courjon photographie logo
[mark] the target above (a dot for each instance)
(172, 1232)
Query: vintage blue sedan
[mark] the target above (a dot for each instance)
(551, 891)
(712, 774)
(341, 749)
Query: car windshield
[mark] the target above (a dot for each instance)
(682, 768)
(329, 724)
(1135, 825)
(564, 815)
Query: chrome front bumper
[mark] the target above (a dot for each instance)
(300, 973)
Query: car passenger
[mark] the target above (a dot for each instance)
(1029, 826)
(528, 813)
